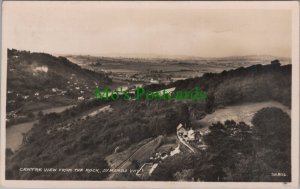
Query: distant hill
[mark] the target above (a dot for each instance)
(245, 84)
(242, 60)
(41, 79)
(169, 69)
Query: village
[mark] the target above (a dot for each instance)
(187, 138)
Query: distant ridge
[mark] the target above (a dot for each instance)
(179, 57)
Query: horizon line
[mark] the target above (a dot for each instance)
(149, 56)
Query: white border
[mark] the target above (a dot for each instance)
(291, 5)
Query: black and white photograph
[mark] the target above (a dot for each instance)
(150, 92)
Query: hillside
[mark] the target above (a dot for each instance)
(80, 138)
(246, 84)
(36, 81)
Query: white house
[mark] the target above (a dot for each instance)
(80, 98)
(191, 135)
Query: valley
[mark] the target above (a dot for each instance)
(64, 126)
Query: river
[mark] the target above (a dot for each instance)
(14, 134)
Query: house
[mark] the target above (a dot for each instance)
(191, 135)
(41, 69)
(80, 98)
(202, 147)
(164, 155)
(180, 130)
(11, 101)
(186, 135)
(154, 81)
(175, 151)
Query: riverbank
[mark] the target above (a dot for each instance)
(14, 133)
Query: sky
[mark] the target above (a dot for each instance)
(145, 29)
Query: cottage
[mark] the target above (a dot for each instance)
(191, 135)
(47, 96)
(180, 130)
(154, 81)
(81, 98)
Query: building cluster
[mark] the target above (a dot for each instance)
(186, 134)
(159, 156)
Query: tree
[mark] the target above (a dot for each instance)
(8, 152)
(275, 62)
(30, 115)
(272, 134)
(135, 164)
(272, 124)
(171, 122)
(166, 170)
(210, 102)
(227, 143)
(40, 114)
(185, 115)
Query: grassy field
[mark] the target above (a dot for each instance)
(243, 112)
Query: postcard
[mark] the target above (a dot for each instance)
(150, 94)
